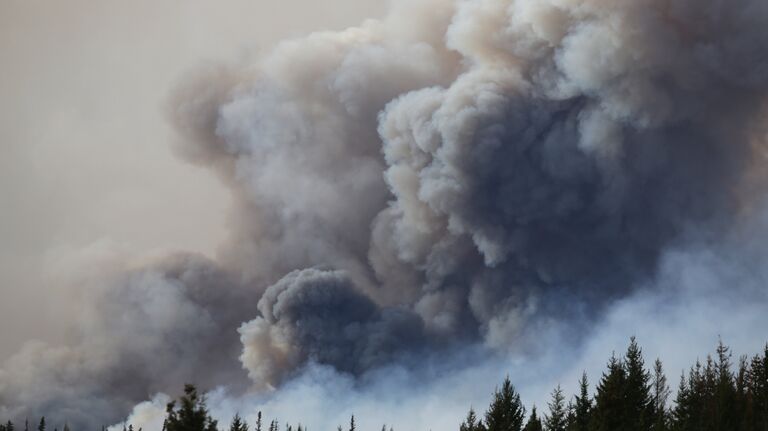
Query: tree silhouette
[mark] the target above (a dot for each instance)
(534, 423)
(506, 412)
(192, 415)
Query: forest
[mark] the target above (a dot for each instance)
(717, 394)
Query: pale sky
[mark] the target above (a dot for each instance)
(86, 159)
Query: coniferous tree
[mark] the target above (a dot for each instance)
(724, 394)
(471, 423)
(352, 426)
(637, 395)
(758, 391)
(506, 412)
(258, 421)
(579, 414)
(570, 418)
(660, 419)
(41, 426)
(534, 423)
(557, 417)
(238, 424)
(9, 426)
(192, 415)
(608, 411)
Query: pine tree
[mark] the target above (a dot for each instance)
(258, 421)
(556, 419)
(352, 426)
(534, 423)
(41, 426)
(192, 415)
(9, 426)
(506, 412)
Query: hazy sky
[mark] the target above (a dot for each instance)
(86, 158)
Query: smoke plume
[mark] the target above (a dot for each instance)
(458, 177)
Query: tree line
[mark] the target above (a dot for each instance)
(713, 395)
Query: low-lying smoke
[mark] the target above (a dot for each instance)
(460, 173)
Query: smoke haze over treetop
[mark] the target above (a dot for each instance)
(458, 175)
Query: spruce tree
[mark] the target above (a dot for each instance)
(638, 402)
(506, 412)
(41, 426)
(238, 424)
(724, 401)
(556, 419)
(192, 415)
(258, 421)
(534, 423)
(681, 413)
(608, 411)
(9, 426)
(757, 388)
(352, 426)
(660, 420)
(471, 423)
(570, 418)
(582, 408)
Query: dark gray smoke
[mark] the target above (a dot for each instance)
(459, 172)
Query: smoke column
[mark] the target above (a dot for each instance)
(449, 190)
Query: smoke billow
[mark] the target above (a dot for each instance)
(458, 175)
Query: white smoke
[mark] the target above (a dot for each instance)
(441, 196)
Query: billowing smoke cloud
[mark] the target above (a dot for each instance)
(145, 330)
(488, 173)
(319, 315)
